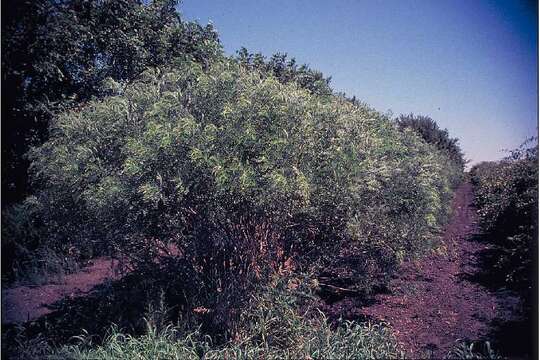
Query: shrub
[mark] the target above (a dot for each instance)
(428, 129)
(506, 193)
(241, 176)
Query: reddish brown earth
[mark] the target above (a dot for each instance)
(431, 305)
(25, 303)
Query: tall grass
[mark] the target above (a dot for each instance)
(278, 323)
(351, 341)
(473, 350)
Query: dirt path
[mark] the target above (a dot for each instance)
(431, 305)
(25, 303)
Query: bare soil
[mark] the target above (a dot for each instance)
(433, 302)
(26, 303)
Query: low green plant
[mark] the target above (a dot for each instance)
(16, 344)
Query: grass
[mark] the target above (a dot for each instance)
(473, 350)
(280, 321)
(305, 340)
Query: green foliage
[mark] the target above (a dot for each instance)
(432, 134)
(272, 328)
(240, 173)
(25, 348)
(244, 168)
(286, 71)
(57, 54)
(506, 193)
(27, 258)
(472, 350)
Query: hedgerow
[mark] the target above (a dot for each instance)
(429, 130)
(506, 194)
(240, 174)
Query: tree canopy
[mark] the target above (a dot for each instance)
(56, 54)
(429, 130)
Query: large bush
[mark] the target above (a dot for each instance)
(241, 176)
(506, 193)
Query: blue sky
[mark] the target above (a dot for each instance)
(470, 65)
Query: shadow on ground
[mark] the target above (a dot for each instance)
(514, 331)
(123, 302)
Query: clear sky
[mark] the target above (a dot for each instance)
(471, 65)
